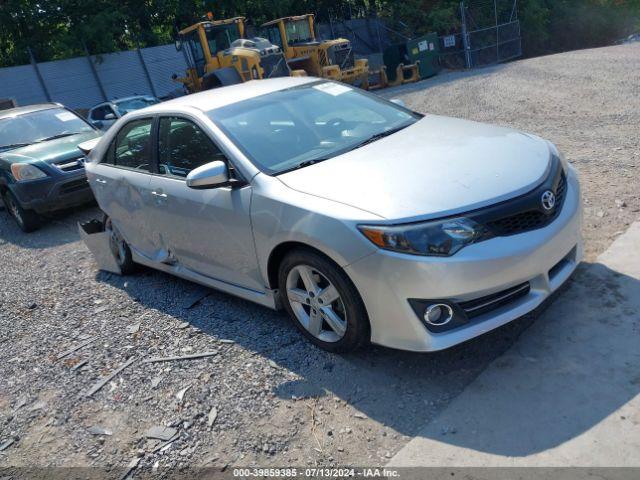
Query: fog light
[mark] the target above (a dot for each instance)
(438, 314)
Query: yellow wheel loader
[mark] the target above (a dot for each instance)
(218, 54)
(327, 58)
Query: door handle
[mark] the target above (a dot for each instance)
(99, 180)
(159, 194)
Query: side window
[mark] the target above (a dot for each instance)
(133, 145)
(183, 146)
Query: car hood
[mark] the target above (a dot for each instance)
(51, 151)
(436, 167)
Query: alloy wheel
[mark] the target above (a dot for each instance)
(316, 303)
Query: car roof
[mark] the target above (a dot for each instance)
(132, 97)
(223, 96)
(123, 99)
(13, 112)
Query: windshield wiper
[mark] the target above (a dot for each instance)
(380, 135)
(60, 135)
(305, 163)
(14, 145)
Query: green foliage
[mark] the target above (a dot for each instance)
(56, 29)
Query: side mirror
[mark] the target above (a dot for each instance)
(110, 116)
(209, 175)
(398, 101)
(98, 124)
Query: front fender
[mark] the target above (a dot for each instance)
(280, 214)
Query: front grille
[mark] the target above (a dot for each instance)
(480, 306)
(74, 186)
(530, 219)
(70, 165)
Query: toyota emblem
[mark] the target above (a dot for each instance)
(548, 200)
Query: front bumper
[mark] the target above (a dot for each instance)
(54, 192)
(545, 258)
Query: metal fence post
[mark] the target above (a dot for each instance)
(146, 71)
(94, 71)
(465, 36)
(34, 64)
(495, 11)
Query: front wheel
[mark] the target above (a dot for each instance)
(27, 220)
(322, 301)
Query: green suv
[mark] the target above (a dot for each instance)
(41, 168)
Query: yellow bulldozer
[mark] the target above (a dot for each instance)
(218, 54)
(327, 58)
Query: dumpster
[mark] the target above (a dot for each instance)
(422, 51)
(426, 50)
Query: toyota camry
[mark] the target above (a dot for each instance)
(364, 220)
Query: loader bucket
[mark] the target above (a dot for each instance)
(99, 244)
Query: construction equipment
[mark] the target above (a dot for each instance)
(218, 54)
(332, 59)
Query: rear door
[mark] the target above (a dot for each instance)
(121, 183)
(207, 231)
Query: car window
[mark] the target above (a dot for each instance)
(133, 145)
(183, 146)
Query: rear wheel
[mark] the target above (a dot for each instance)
(119, 248)
(322, 301)
(27, 220)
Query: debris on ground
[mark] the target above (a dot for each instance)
(76, 348)
(95, 430)
(180, 357)
(102, 382)
(6, 444)
(180, 395)
(132, 466)
(194, 297)
(161, 433)
(211, 418)
(135, 328)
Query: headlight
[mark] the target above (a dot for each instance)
(440, 238)
(24, 172)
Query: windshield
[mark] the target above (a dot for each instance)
(298, 31)
(291, 128)
(126, 106)
(34, 127)
(220, 37)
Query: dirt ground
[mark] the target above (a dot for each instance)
(265, 396)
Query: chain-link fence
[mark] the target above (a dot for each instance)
(491, 31)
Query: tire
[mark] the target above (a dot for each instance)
(27, 220)
(119, 248)
(348, 307)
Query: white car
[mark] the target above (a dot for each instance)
(105, 114)
(364, 220)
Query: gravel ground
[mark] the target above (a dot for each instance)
(266, 397)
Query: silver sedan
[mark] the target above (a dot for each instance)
(365, 221)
